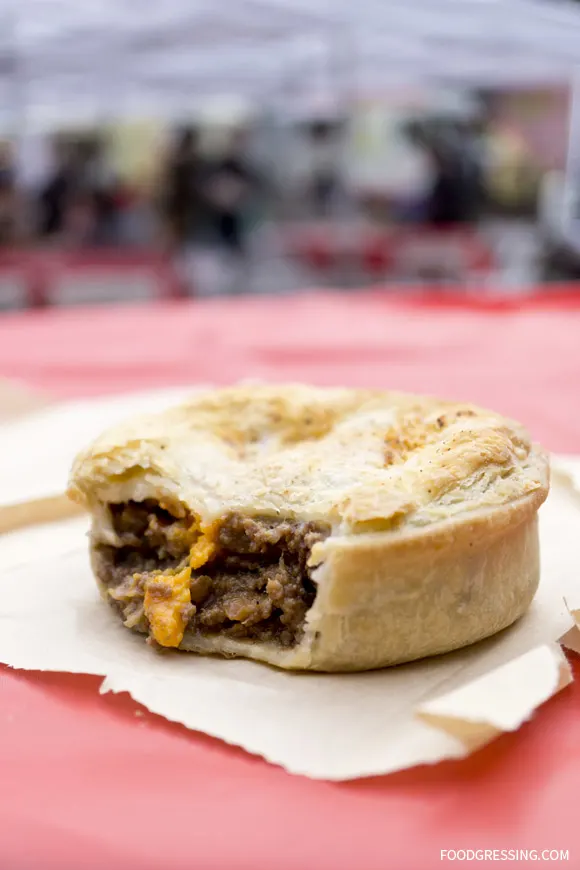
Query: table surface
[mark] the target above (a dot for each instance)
(89, 779)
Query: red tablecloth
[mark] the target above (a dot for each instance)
(90, 781)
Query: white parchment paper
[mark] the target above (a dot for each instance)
(325, 726)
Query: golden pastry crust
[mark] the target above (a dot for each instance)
(432, 507)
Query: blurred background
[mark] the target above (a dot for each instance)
(269, 146)
(377, 194)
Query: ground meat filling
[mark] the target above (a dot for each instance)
(256, 586)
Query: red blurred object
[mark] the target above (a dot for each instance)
(90, 781)
(20, 279)
(377, 255)
(95, 275)
(314, 246)
(54, 276)
(319, 257)
(461, 254)
(407, 253)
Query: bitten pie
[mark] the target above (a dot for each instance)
(321, 529)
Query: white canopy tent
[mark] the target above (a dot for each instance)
(60, 59)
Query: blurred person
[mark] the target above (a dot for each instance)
(456, 191)
(558, 222)
(96, 186)
(324, 173)
(60, 189)
(79, 226)
(55, 194)
(472, 146)
(10, 204)
(136, 219)
(183, 200)
(447, 202)
(233, 189)
(7, 164)
(80, 190)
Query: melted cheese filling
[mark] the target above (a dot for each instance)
(167, 595)
(205, 546)
(167, 606)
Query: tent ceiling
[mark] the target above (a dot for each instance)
(117, 52)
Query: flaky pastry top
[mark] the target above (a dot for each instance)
(362, 460)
